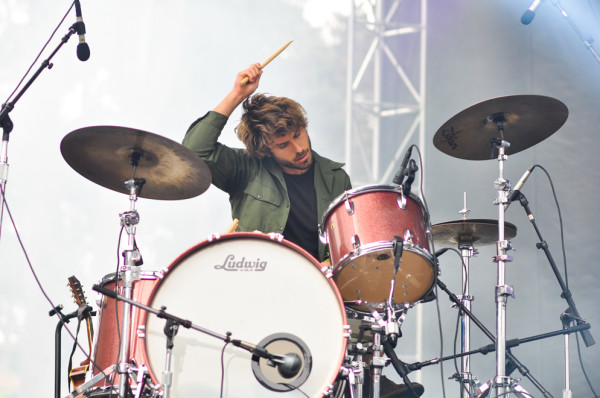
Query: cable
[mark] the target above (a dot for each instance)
(112, 385)
(562, 240)
(562, 235)
(223, 364)
(58, 315)
(437, 300)
(583, 367)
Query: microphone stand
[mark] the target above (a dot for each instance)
(386, 332)
(172, 324)
(571, 313)
(586, 42)
(491, 347)
(7, 125)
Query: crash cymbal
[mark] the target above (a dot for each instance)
(526, 121)
(105, 154)
(481, 232)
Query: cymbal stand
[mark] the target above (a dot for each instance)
(467, 251)
(130, 271)
(503, 290)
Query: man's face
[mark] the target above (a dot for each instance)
(293, 152)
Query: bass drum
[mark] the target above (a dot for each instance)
(265, 291)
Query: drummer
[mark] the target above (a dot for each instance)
(278, 183)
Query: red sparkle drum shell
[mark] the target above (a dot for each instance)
(106, 346)
(259, 288)
(360, 227)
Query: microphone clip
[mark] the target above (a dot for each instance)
(78, 28)
(410, 176)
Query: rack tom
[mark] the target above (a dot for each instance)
(360, 228)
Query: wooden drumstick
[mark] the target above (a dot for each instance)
(271, 58)
(233, 226)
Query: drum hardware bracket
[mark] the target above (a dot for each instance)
(408, 236)
(349, 207)
(502, 257)
(505, 245)
(104, 374)
(463, 299)
(276, 236)
(505, 290)
(327, 271)
(129, 218)
(401, 200)
(355, 240)
(213, 237)
(347, 332)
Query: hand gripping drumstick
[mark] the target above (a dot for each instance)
(245, 80)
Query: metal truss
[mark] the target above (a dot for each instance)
(385, 87)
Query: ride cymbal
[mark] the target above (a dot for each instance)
(106, 155)
(479, 231)
(525, 120)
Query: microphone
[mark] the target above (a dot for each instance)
(441, 251)
(288, 365)
(83, 50)
(104, 291)
(530, 13)
(400, 174)
(517, 189)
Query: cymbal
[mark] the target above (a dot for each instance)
(526, 121)
(482, 232)
(104, 155)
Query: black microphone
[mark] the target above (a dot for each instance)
(104, 291)
(441, 251)
(400, 174)
(530, 13)
(83, 50)
(517, 190)
(288, 365)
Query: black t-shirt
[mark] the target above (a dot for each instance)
(302, 223)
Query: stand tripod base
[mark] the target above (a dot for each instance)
(483, 389)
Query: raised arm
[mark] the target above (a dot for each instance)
(240, 92)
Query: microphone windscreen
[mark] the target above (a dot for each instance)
(527, 17)
(83, 51)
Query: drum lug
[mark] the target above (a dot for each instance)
(347, 331)
(323, 234)
(141, 331)
(408, 236)
(276, 237)
(349, 207)
(401, 199)
(355, 240)
(326, 270)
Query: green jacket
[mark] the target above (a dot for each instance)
(256, 187)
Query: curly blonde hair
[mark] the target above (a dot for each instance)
(265, 118)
